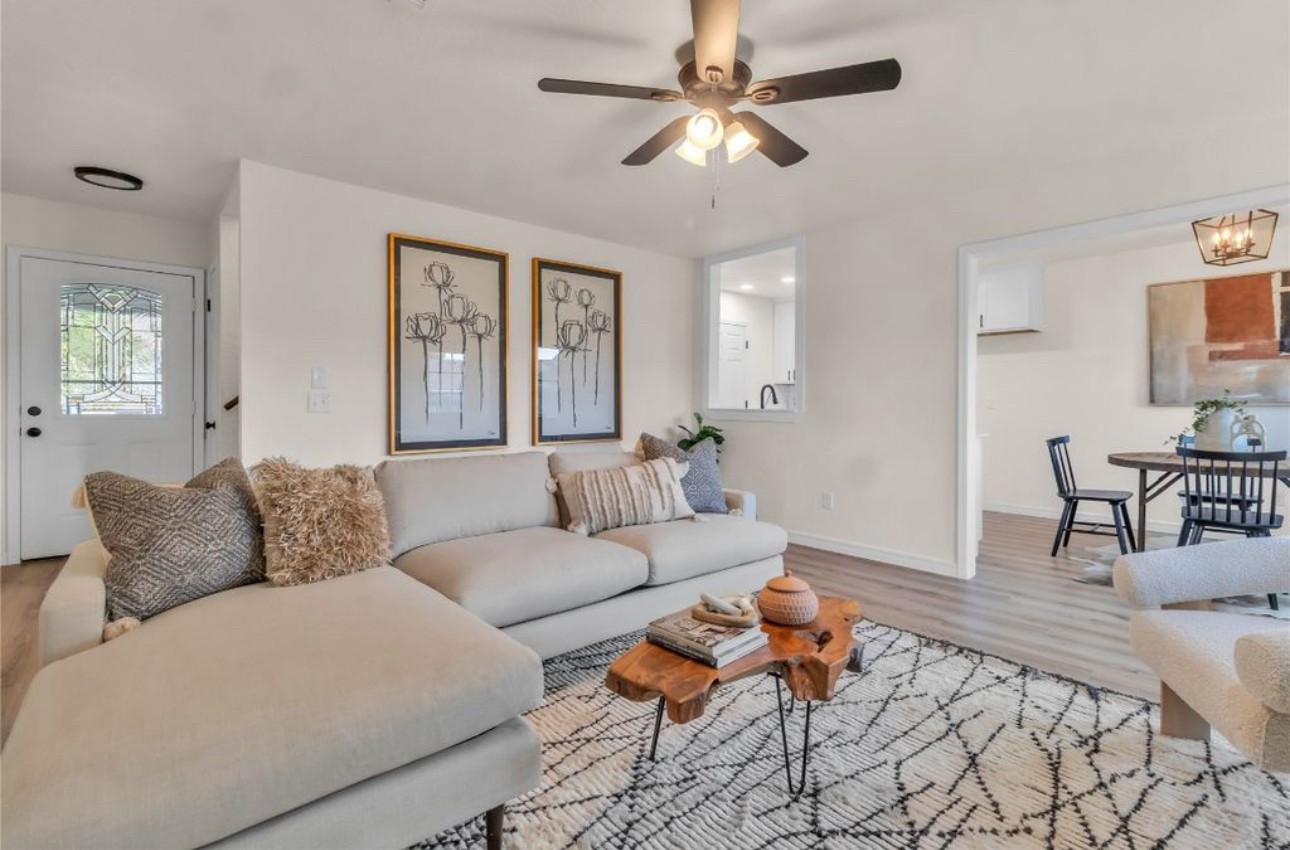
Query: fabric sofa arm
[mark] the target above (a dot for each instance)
(1193, 573)
(75, 608)
(743, 501)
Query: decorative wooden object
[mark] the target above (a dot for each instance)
(810, 658)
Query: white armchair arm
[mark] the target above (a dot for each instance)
(743, 501)
(75, 608)
(1209, 571)
(1263, 666)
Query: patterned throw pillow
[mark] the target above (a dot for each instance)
(320, 523)
(702, 484)
(171, 545)
(641, 494)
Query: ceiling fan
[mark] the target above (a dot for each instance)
(716, 81)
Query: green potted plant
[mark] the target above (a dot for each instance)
(700, 433)
(1212, 422)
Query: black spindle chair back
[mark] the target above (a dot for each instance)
(1063, 471)
(1233, 489)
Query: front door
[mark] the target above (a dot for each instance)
(105, 382)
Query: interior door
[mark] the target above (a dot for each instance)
(732, 367)
(106, 382)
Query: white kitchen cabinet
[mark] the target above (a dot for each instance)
(1010, 299)
(784, 349)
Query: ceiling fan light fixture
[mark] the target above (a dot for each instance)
(739, 142)
(692, 153)
(704, 130)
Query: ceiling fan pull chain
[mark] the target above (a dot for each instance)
(716, 175)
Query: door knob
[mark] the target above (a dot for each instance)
(33, 411)
(33, 432)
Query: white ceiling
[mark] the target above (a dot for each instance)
(771, 274)
(442, 103)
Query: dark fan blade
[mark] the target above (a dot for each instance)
(853, 79)
(659, 142)
(716, 31)
(777, 147)
(607, 90)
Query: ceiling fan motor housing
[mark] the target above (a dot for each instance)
(698, 88)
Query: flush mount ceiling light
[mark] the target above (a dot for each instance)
(1227, 240)
(717, 82)
(106, 178)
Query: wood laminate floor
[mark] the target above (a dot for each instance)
(1022, 605)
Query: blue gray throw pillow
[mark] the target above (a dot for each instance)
(702, 484)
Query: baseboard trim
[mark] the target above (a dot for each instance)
(1055, 513)
(873, 553)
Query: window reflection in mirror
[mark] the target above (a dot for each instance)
(755, 298)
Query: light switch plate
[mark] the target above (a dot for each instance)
(319, 401)
(318, 378)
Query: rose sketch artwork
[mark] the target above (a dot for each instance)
(576, 368)
(448, 343)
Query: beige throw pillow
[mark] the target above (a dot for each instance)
(319, 523)
(600, 499)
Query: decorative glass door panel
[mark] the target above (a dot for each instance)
(111, 350)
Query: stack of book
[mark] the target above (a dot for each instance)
(712, 644)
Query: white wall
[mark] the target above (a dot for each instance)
(1087, 375)
(313, 293)
(759, 315)
(37, 223)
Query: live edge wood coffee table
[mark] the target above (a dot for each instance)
(809, 659)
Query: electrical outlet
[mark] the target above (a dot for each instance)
(826, 501)
(319, 402)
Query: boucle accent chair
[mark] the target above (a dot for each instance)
(1229, 671)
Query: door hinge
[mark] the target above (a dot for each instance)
(745, 343)
(208, 305)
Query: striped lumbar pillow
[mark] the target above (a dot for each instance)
(650, 492)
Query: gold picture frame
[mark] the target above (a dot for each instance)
(592, 297)
(449, 302)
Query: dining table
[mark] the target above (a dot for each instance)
(1170, 467)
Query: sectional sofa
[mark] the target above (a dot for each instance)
(371, 710)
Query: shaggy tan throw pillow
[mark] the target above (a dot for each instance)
(319, 523)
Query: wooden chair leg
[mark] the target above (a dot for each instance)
(1272, 601)
(1070, 523)
(1061, 527)
(1178, 719)
(1185, 535)
(1128, 527)
(493, 821)
(1197, 534)
(1120, 536)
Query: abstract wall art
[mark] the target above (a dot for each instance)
(1218, 334)
(447, 346)
(577, 352)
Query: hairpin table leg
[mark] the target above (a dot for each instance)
(795, 791)
(658, 724)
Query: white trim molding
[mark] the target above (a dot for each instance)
(710, 293)
(874, 553)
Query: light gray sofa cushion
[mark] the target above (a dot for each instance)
(437, 499)
(411, 803)
(707, 543)
(238, 707)
(518, 575)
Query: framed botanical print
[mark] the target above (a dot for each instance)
(577, 353)
(447, 346)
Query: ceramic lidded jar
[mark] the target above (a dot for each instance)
(788, 600)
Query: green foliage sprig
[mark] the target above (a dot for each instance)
(1207, 407)
(700, 433)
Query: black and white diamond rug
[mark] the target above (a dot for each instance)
(933, 745)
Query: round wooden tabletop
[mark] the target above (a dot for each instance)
(1169, 462)
(810, 658)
